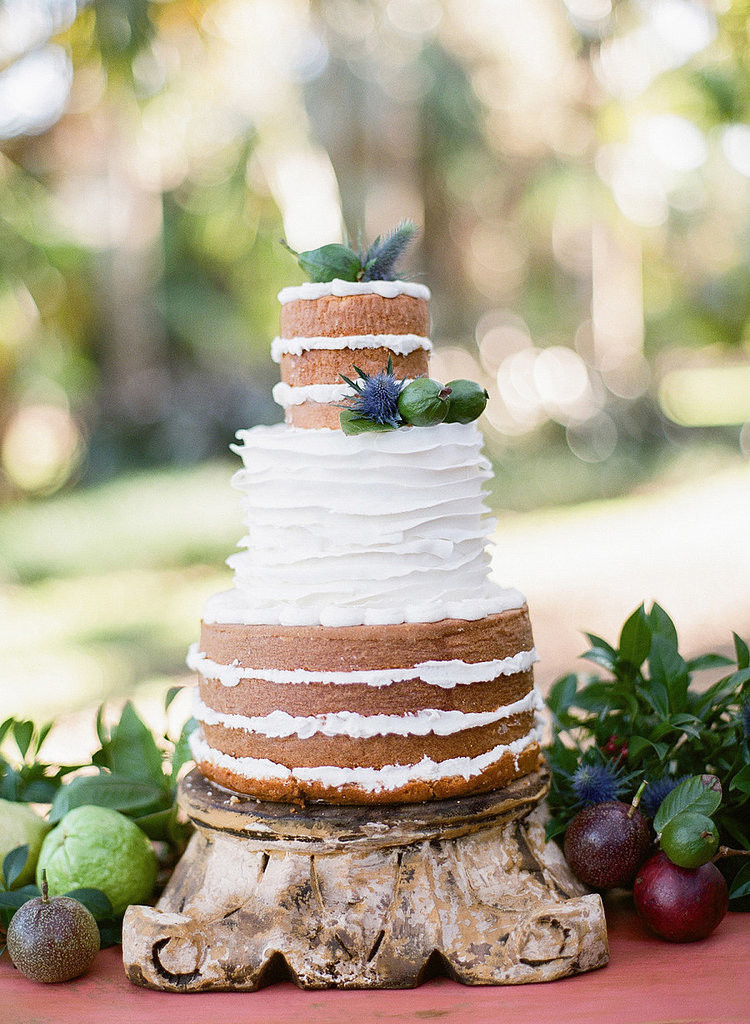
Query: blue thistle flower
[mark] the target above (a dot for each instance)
(380, 261)
(376, 397)
(595, 783)
(746, 719)
(657, 790)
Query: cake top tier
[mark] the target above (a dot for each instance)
(331, 330)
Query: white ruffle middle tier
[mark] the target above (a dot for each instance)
(377, 528)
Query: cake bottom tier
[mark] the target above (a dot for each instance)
(367, 714)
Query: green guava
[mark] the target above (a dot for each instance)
(20, 826)
(95, 847)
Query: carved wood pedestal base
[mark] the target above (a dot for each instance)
(365, 897)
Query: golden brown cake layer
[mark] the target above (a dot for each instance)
(350, 648)
(313, 416)
(334, 316)
(325, 366)
(372, 751)
(498, 774)
(399, 698)
(320, 649)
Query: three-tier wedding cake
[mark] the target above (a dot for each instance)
(363, 655)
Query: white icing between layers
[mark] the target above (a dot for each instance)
(387, 289)
(286, 395)
(373, 529)
(445, 674)
(280, 724)
(374, 780)
(399, 344)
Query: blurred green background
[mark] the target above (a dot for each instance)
(580, 172)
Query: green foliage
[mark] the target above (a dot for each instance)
(351, 423)
(13, 864)
(662, 725)
(379, 262)
(28, 778)
(699, 794)
(136, 774)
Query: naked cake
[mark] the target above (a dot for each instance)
(363, 654)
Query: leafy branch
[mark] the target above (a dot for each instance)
(378, 262)
(645, 717)
(132, 772)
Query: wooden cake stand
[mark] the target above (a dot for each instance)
(365, 897)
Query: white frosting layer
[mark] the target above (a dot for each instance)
(399, 344)
(372, 779)
(286, 395)
(370, 529)
(445, 674)
(279, 724)
(388, 290)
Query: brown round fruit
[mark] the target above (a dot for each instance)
(680, 904)
(52, 940)
(606, 843)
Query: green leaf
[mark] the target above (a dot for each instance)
(6, 725)
(330, 262)
(662, 624)
(731, 684)
(114, 791)
(562, 759)
(110, 933)
(42, 736)
(654, 692)
(11, 901)
(638, 746)
(14, 863)
(600, 656)
(22, 733)
(182, 753)
(134, 753)
(688, 724)
(669, 674)
(170, 695)
(741, 780)
(158, 825)
(635, 638)
(101, 731)
(351, 423)
(555, 826)
(597, 641)
(740, 883)
(705, 661)
(700, 793)
(742, 651)
(94, 900)
(562, 694)
(40, 791)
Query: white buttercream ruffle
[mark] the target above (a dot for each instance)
(371, 529)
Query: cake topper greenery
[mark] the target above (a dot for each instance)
(381, 402)
(377, 262)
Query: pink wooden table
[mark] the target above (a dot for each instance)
(646, 982)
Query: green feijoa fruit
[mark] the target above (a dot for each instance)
(466, 402)
(690, 839)
(423, 402)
